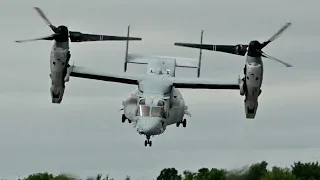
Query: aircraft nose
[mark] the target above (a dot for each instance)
(148, 125)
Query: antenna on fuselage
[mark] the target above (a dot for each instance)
(200, 55)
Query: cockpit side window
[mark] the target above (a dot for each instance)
(160, 103)
(143, 110)
(142, 102)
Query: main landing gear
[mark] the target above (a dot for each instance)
(148, 142)
(124, 119)
(184, 123)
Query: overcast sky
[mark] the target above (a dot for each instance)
(84, 134)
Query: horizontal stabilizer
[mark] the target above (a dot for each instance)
(145, 59)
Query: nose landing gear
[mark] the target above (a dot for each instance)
(148, 142)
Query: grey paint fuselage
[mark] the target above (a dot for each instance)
(154, 88)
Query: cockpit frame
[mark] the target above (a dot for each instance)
(151, 111)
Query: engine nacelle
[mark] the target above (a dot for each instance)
(57, 93)
(242, 85)
(60, 72)
(240, 49)
(251, 84)
(253, 74)
(251, 107)
(58, 79)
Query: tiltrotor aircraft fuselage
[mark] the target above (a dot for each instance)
(156, 103)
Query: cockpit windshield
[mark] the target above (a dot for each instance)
(155, 111)
(143, 110)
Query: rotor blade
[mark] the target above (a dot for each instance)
(231, 49)
(198, 46)
(44, 17)
(275, 59)
(51, 37)
(276, 35)
(81, 37)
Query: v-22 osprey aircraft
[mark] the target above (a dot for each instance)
(60, 53)
(250, 84)
(156, 102)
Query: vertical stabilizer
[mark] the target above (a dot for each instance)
(200, 55)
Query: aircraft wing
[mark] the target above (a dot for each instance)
(123, 78)
(201, 83)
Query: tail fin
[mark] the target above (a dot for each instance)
(127, 51)
(200, 55)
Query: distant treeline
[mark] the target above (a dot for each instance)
(258, 171)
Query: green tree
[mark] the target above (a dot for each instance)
(213, 174)
(63, 177)
(127, 178)
(99, 176)
(169, 174)
(217, 174)
(40, 176)
(279, 174)
(238, 174)
(203, 173)
(306, 171)
(188, 175)
(257, 171)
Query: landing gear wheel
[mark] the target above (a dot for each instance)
(123, 118)
(184, 123)
(178, 124)
(148, 142)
